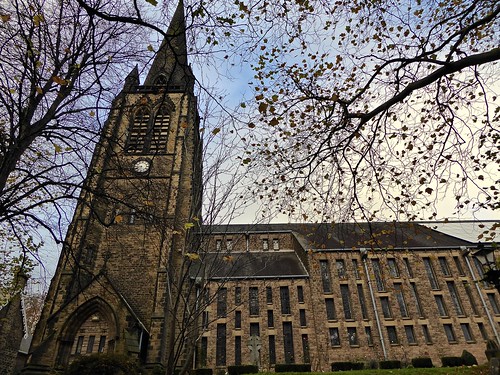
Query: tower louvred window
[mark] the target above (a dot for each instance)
(146, 135)
(160, 130)
(161, 80)
(139, 131)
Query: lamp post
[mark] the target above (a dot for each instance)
(485, 254)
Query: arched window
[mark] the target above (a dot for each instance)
(160, 130)
(139, 131)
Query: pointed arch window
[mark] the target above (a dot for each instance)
(149, 135)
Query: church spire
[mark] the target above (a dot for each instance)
(170, 67)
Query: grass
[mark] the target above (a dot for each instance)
(476, 370)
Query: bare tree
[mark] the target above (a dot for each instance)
(377, 110)
(58, 71)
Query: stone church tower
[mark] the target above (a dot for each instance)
(113, 284)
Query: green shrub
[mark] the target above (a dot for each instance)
(242, 369)
(347, 366)
(390, 364)
(203, 371)
(468, 358)
(451, 361)
(103, 364)
(422, 362)
(292, 367)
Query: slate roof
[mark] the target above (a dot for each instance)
(255, 265)
(330, 236)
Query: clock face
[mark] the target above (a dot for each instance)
(141, 166)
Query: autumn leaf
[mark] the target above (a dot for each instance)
(192, 256)
(429, 190)
(57, 148)
(92, 113)
(152, 2)
(39, 90)
(59, 80)
(118, 219)
(38, 18)
(227, 258)
(215, 131)
(150, 48)
(263, 107)
(188, 225)
(5, 17)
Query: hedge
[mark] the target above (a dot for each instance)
(292, 367)
(347, 366)
(242, 369)
(422, 362)
(390, 364)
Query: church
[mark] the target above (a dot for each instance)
(139, 274)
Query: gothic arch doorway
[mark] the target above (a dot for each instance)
(92, 328)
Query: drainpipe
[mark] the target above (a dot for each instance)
(465, 253)
(364, 254)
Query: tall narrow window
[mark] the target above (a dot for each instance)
(467, 332)
(455, 298)
(494, 304)
(378, 275)
(386, 307)
(341, 271)
(269, 295)
(458, 264)
(300, 294)
(160, 131)
(285, 300)
(204, 319)
(355, 268)
(237, 295)
(139, 131)
(254, 300)
(222, 302)
(416, 299)
(218, 245)
(443, 263)
(288, 342)
(470, 296)
(270, 318)
(398, 291)
(90, 344)
(203, 351)
(429, 269)
(480, 272)
(410, 335)
(450, 333)
(346, 301)
(220, 345)
(237, 319)
(427, 334)
(272, 349)
(352, 336)
(237, 350)
(393, 267)
(393, 335)
(229, 244)
(330, 309)
(302, 317)
(441, 306)
(102, 344)
(79, 345)
(334, 336)
(484, 334)
(409, 271)
(325, 276)
(362, 303)
(306, 358)
(369, 336)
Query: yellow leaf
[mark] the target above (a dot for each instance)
(188, 225)
(5, 17)
(67, 50)
(193, 256)
(37, 18)
(150, 48)
(152, 2)
(118, 219)
(39, 90)
(215, 131)
(57, 148)
(227, 258)
(92, 113)
(176, 232)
